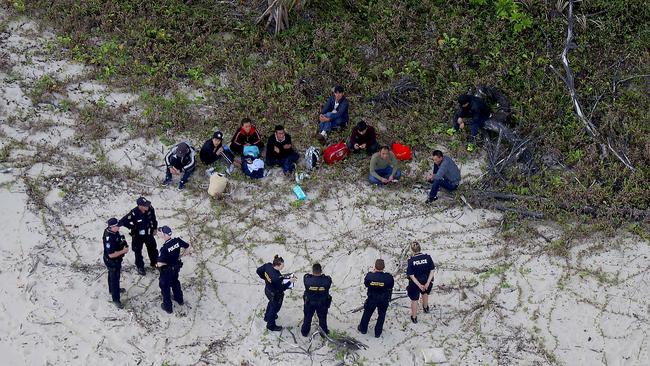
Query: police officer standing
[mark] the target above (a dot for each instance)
(420, 273)
(317, 298)
(170, 265)
(115, 248)
(380, 289)
(143, 224)
(275, 285)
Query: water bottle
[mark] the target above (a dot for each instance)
(299, 193)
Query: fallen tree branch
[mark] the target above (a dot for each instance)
(487, 199)
(533, 214)
(569, 81)
(397, 95)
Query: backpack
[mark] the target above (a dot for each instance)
(256, 164)
(402, 152)
(251, 150)
(335, 152)
(312, 158)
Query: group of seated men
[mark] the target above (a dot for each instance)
(244, 151)
(246, 147)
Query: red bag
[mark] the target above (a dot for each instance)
(335, 152)
(402, 152)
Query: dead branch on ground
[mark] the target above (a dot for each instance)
(398, 95)
(569, 81)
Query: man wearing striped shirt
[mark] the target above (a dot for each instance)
(180, 160)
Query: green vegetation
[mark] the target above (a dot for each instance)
(157, 48)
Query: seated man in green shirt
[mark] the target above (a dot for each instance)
(383, 167)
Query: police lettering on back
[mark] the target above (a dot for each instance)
(420, 262)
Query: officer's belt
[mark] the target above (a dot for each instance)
(170, 267)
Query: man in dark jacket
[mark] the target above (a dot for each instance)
(472, 108)
(246, 135)
(274, 286)
(213, 149)
(334, 114)
(170, 265)
(142, 223)
(380, 290)
(363, 137)
(114, 250)
(445, 174)
(317, 299)
(279, 151)
(180, 160)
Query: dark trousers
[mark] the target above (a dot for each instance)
(227, 156)
(475, 124)
(336, 122)
(287, 163)
(368, 309)
(321, 312)
(444, 183)
(136, 245)
(187, 173)
(257, 174)
(273, 307)
(384, 173)
(169, 284)
(437, 183)
(370, 149)
(114, 267)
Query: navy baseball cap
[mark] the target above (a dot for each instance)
(166, 230)
(112, 222)
(217, 135)
(141, 201)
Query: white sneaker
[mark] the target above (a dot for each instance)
(324, 134)
(230, 169)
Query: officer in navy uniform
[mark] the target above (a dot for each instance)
(170, 265)
(317, 299)
(420, 274)
(115, 248)
(275, 285)
(143, 224)
(380, 289)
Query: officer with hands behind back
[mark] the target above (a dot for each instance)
(170, 265)
(274, 286)
(115, 248)
(143, 224)
(420, 274)
(317, 298)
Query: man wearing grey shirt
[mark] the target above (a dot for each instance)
(383, 167)
(445, 174)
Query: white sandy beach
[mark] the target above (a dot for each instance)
(522, 306)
